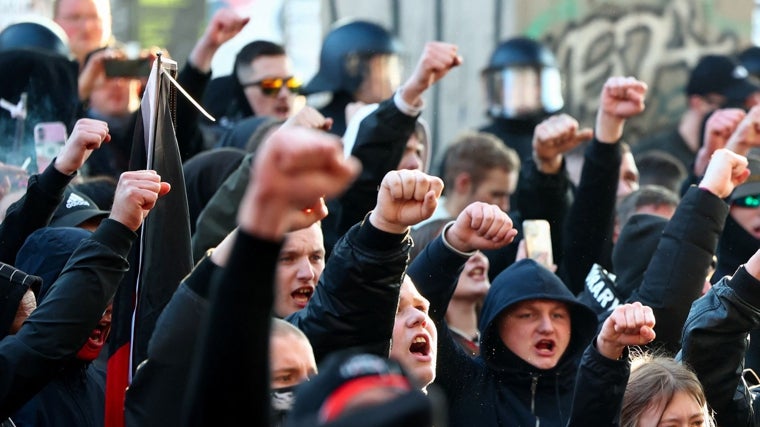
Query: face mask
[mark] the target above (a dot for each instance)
(282, 402)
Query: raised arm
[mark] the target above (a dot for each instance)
(355, 301)
(294, 169)
(480, 226)
(588, 227)
(676, 274)
(722, 319)
(75, 302)
(379, 139)
(195, 75)
(604, 370)
(544, 190)
(45, 191)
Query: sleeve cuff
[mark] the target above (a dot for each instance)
(448, 245)
(404, 107)
(115, 235)
(374, 238)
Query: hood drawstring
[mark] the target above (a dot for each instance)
(533, 387)
(556, 395)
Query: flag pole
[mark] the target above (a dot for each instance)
(149, 151)
(152, 141)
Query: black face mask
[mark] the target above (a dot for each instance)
(282, 402)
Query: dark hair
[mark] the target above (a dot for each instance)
(658, 167)
(647, 195)
(254, 50)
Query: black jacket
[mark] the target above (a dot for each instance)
(379, 144)
(156, 395)
(75, 398)
(714, 341)
(59, 326)
(225, 356)
(354, 304)
(378, 141)
(497, 387)
(589, 224)
(34, 210)
(734, 248)
(673, 277)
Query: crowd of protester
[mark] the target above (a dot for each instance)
(342, 279)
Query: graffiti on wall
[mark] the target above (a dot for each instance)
(656, 45)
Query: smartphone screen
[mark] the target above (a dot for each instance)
(49, 138)
(134, 68)
(538, 241)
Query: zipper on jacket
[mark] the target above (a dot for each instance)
(533, 387)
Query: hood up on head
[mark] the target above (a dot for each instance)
(46, 252)
(527, 280)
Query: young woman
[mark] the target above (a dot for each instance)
(663, 392)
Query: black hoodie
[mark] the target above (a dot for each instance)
(498, 387)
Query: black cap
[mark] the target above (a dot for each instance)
(722, 75)
(75, 209)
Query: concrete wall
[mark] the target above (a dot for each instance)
(656, 40)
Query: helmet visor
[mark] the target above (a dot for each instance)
(515, 92)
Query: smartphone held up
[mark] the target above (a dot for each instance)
(538, 242)
(49, 139)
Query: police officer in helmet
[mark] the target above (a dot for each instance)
(523, 87)
(358, 62)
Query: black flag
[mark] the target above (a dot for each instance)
(162, 257)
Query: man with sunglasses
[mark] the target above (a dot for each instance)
(266, 76)
(261, 86)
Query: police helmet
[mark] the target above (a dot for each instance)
(345, 51)
(522, 80)
(38, 34)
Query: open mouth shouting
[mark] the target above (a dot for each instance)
(546, 348)
(282, 111)
(302, 295)
(91, 349)
(420, 348)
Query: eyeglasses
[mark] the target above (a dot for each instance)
(752, 201)
(272, 86)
